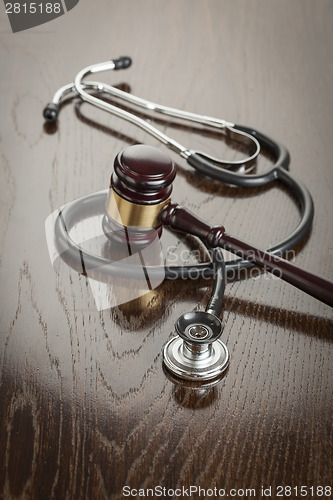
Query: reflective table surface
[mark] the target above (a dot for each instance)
(87, 408)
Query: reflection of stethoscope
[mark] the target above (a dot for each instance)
(138, 204)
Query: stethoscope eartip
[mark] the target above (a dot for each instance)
(122, 62)
(50, 112)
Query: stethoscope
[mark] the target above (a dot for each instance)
(138, 204)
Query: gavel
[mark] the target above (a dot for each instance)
(139, 204)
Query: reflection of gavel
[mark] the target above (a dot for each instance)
(139, 203)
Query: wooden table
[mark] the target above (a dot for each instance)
(86, 406)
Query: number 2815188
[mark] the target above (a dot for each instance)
(33, 8)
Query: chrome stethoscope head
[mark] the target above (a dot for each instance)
(196, 353)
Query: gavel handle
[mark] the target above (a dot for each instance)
(180, 219)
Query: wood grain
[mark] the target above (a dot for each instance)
(86, 406)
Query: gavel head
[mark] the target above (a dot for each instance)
(140, 188)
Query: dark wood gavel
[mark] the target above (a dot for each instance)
(139, 200)
(180, 219)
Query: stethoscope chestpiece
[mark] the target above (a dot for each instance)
(196, 353)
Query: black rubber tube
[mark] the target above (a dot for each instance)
(220, 278)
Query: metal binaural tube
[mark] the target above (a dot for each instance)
(82, 89)
(130, 117)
